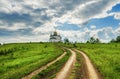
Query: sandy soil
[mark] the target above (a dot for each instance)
(90, 69)
(65, 71)
(43, 68)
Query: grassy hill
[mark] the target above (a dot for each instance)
(18, 60)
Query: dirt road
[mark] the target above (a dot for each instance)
(43, 68)
(92, 72)
(65, 71)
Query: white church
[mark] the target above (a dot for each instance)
(55, 37)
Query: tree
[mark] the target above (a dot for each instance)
(113, 41)
(88, 42)
(66, 40)
(118, 39)
(92, 40)
(74, 44)
(97, 41)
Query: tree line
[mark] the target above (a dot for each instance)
(117, 40)
(96, 40)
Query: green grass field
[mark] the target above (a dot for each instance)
(105, 57)
(18, 60)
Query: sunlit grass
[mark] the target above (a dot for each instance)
(105, 57)
(26, 58)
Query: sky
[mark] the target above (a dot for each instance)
(77, 20)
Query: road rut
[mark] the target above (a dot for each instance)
(43, 68)
(65, 71)
(92, 72)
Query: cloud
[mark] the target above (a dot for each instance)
(74, 11)
(93, 27)
(117, 31)
(16, 26)
(88, 10)
(115, 8)
(104, 34)
(24, 38)
(117, 15)
(44, 29)
(15, 17)
(41, 17)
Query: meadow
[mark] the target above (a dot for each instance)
(19, 59)
(105, 58)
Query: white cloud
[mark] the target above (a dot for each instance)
(51, 11)
(88, 10)
(117, 31)
(46, 28)
(78, 12)
(104, 34)
(23, 38)
(94, 33)
(15, 27)
(93, 27)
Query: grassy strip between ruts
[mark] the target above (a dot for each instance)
(77, 72)
(51, 71)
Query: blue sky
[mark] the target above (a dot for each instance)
(24, 21)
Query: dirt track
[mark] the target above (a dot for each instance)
(91, 71)
(65, 71)
(43, 68)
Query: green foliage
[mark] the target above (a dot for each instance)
(6, 51)
(74, 45)
(113, 41)
(66, 40)
(117, 40)
(93, 40)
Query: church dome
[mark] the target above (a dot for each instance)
(55, 33)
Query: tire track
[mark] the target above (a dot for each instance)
(43, 68)
(92, 72)
(65, 71)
